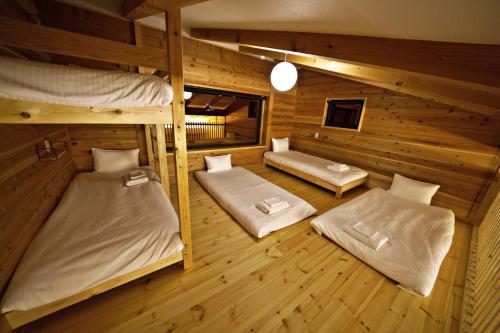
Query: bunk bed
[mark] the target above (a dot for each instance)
(145, 237)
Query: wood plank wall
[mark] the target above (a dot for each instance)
(420, 139)
(85, 137)
(239, 125)
(480, 306)
(29, 189)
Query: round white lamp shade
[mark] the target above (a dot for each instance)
(188, 94)
(284, 76)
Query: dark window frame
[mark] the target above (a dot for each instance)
(328, 112)
(261, 106)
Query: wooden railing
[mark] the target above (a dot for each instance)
(199, 131)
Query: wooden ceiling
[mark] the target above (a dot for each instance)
(217, 105)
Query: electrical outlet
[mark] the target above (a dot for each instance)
(316, 135)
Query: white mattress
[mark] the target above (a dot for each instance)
(419, 236)
(100, 230)
(316, 166)
(239, 190)
(71, 85)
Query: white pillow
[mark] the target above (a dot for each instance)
(218, 163)
(413, 189)
(280, 145)
(115, 160)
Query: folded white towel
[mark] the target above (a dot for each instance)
(272, 202)
(365, 230)
(134, 182)
(338, 167)
(375, 242)
(262, 206)
(137, 174)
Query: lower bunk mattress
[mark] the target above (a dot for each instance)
(238, 191)
(100, 230)
(419, 235)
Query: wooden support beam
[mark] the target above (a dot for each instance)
(174, 42)
(476, 63)
(138, 42)
(35, 37)
(149, 146)
(136, 9)
(162, 157)
(475, 97)
(22, 112)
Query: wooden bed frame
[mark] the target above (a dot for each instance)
(36, 37)
(337, 189)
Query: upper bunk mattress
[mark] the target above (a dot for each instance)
(239, 190)
(71, 85)
(100, 230)
(419, 236)
(316, 166)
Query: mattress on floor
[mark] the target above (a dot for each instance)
(316, 166)
(100, 230)
(239, 190)
(420, 235)
(71, 85)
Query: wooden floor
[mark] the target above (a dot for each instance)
(292, 280)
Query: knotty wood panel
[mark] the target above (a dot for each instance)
(292, 280)
(282, 112)
(238, 124)
(86, 137)
(487, 293)
(423, 140)
(29, 189)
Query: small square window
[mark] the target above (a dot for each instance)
(344, 113)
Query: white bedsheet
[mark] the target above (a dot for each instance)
(100, 230)
(239, 190)
(71, 85)
(316, 166)
(419, 236)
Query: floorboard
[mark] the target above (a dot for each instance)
(291, 281)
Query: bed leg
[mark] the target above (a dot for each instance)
(338, 195)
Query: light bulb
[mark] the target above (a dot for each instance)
(188, 94)
(284, 76)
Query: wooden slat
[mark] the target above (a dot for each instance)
(162, 157)
(138, 42)
(149, 145)
(465, 62)
(22, 112)
(174, 40)
(35, 37)
(19, 318)
(479, 98)
(136, 9)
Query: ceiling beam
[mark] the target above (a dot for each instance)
(136, 9)
(481, 99)
(476, 63)
(31, 36)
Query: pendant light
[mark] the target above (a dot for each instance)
(284, 76)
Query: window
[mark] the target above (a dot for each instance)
(218, 118)
(344, 113)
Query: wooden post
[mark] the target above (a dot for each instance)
(162, 157)
(174, 44)
(149, 146)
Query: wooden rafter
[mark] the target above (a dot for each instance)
(475, 97)
(31, 36)
(174, 42)
(466, 62)
(136, 9)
